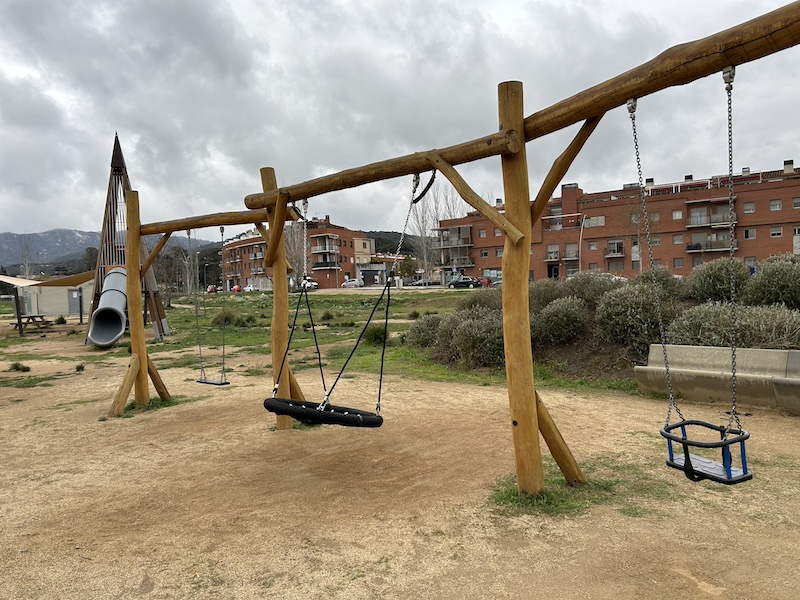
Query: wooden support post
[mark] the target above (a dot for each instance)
(280, 305)
(558, 447)
(18, 309)
(277, 222)
(134, 293)
(241, 217)
(469, 195)
(158, 383)
(516, 320)
(118, 403)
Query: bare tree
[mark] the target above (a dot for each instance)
(25, 256)
(293, 242)
(441, 203)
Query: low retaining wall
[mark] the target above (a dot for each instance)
(768, 378)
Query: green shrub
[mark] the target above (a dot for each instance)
(80, 367)
(374, 334)
(226, 316)
(486, 297)
(562, 320)
(628, 316)
(444, 348)
(422, 332)
(711, 281)
(544, 291)
(326, 316)
(60, 320)
(669, 286)
(18, 366)
(590, 286)
(478, 338)
(777, 281)
(413, 315)
(709, 324)
(244, 320)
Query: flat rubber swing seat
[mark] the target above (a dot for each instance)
(213, 382)
(310, 413)
(697, 467)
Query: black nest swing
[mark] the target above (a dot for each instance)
(313, 413)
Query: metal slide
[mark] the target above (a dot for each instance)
(109, 318)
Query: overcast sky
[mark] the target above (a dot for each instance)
(204, 93)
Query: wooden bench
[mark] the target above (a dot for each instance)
(38, 321)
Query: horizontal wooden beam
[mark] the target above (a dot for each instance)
(679, 65)
(242, 217)
(473, 199)
(498, 143)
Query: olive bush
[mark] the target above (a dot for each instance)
(711, 281)
(710, 324)
(590, 286)
(486, 297)
(776, 282)
(544, 291)
(422, 333)
(628, 316)
(478, 339)
(562, 320)
(669, 286)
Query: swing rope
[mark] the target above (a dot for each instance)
(193, 247)
(324, 412)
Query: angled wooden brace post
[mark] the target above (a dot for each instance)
(497, 218)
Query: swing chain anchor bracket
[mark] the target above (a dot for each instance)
(728, 73)
(632, 106)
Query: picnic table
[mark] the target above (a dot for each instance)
(37, 321)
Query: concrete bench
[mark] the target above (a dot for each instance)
(768, 378)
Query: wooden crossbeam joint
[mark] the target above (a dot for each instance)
(471, 197)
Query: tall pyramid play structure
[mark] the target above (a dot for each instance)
(111, 252)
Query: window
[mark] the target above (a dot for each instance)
(616, 266)
(497, 232)
(677, 214)
(749, 208)
(750, 261)
(593, 267)
(796, 230)
(572, 268)
(656, 262)
(484, 254)
(655, 217)
(775, 205)
(697, 261)
(594, 221)
(776, 231)
(482, 233)
(655, 240)
(592, 245)
(636, 265)
(677, 263)
(635, 218)
(498, 252)
(677, 238)
(749, 234)
(795, 202)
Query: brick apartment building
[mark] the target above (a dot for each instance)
(335, 254)
(689, 223)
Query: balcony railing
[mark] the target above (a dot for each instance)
(256, 255)
(323, 249)
(698, 221)
(723, 219)
(614, 252)
(715, 246)
(460, 261)
(458, 243)
(325, 265)
(570, 255)
(552, 255)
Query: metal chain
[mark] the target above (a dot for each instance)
(193, 249)
(414, 187)
(673, 404)
(225, 320)
(728, 74)
(305, 238)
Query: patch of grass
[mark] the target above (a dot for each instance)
(547, 376)
(26, 382)
(80, 367)
(156, 403)
(254, 372)
(19, 367)
(626, 486)
(60, 320)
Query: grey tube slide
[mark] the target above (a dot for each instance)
(108, 319)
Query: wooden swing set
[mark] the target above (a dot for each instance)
(682, 64)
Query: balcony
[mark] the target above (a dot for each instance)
(722, 220)
(714, 246)
(325, 249)
(457, 243)
(325, 265)
(552, 256)
(614, 252)
(571, 255)
(256, 255)
(459, 261)
(698, 221)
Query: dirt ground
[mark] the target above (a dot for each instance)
(207, 500)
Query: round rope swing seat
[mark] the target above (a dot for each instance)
(698, 468)
(311, 413)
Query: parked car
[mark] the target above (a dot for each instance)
(236, 288)
(212, 289)
(309, 284)
(353, 283)
(497, 283)
(485, 281)
(251, 288)
(464, 282)
(424, 282)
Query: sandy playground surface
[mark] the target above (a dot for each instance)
(207, 500)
